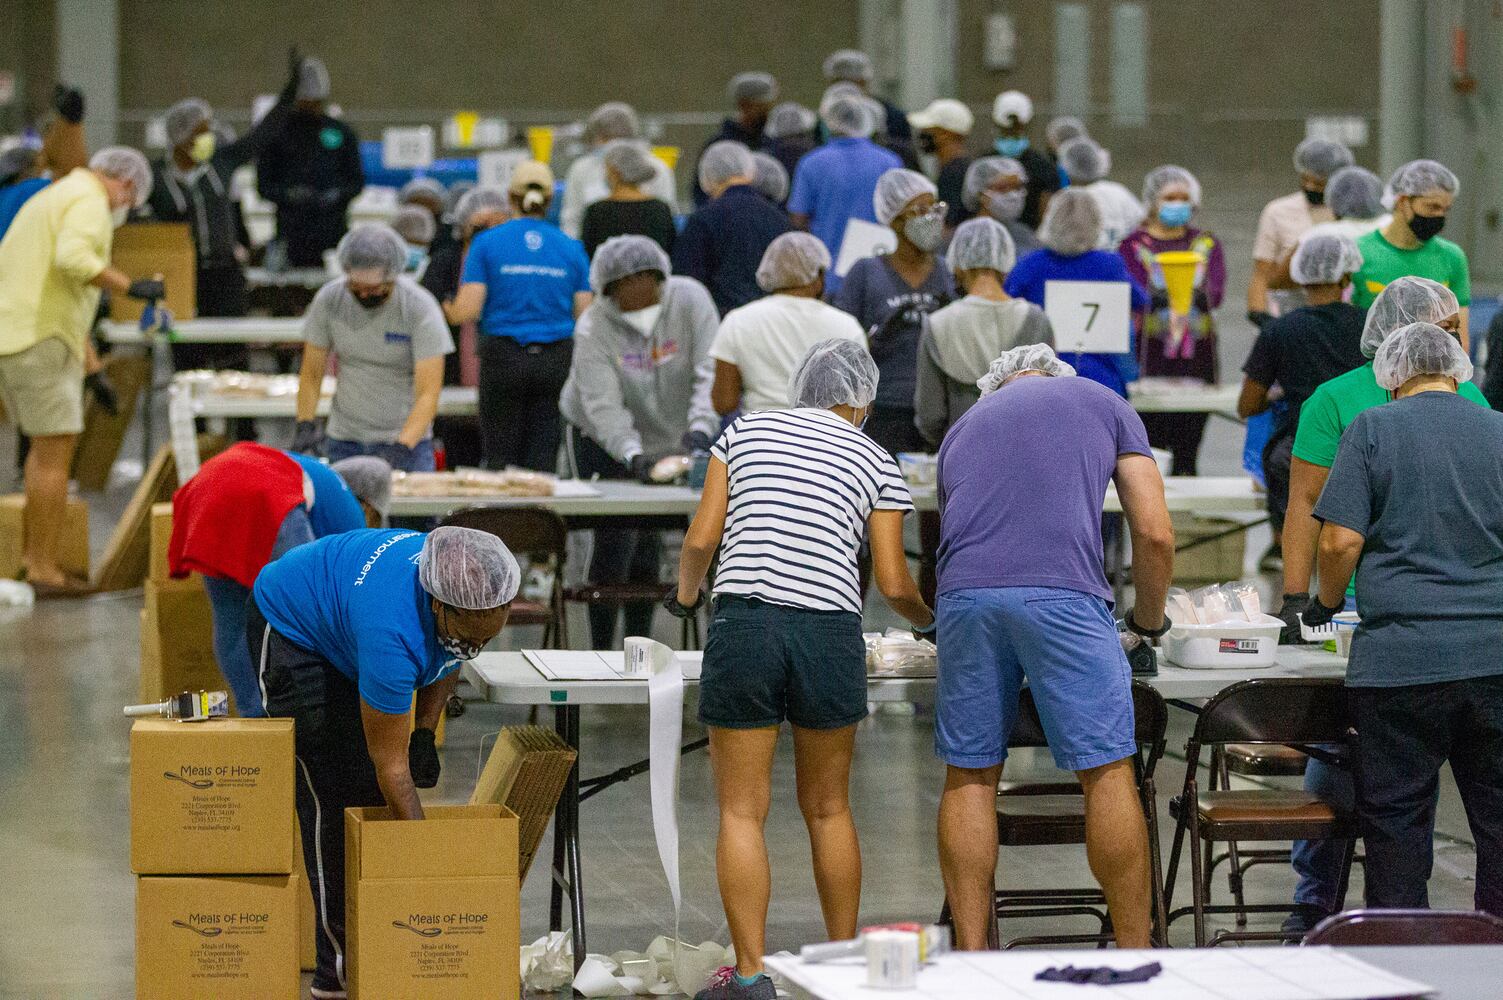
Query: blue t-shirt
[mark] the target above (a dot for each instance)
(335, 509)
(13, 196)
(834, 183)
(355, 600)
(531, 271)
(1031, 273)
(1022, 482)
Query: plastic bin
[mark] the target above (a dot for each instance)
(1228, 646)
(1337, 636)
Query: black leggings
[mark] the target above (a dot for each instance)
(519, 390)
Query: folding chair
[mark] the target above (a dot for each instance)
(1356, 928)
(539, 535)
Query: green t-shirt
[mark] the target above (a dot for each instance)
(1439, 260)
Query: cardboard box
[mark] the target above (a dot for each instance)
(104, 432)
(144, 249)
(73, 544)
(226, 937)
(1210, 562)
(526, 772)
(211, 798)
(161, 540)
(177, 642)
(431, 906)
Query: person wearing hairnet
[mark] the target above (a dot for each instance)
(1355, 197)
(416, 227)
(944, 128)
(358, 637)
(526, 283)
(753, 94)
(1087, 164)
(638, 391)
(54, 261)
(723, 241)
(586, 182)
(1415, 495)
(1165, 347)
(310, 169)
(390, 338)
(759, 345)
(1060, 130)
(1011, 113)
(960, 341)
(27, 168)
(892, 130)
(771, 181)
(1411, 244)
(429, 194)
(1285, 219)
(995, 187)
(248, 506)
(789, 498)
(790, 133)
(833, 184)
(628, 210)
(1022, 595)
(1323, 420)
(1069, 234)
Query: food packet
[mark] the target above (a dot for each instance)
(1247, 595)
(1179, 607)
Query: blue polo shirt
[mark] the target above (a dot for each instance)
(335, 508)
(355, 600)
(531, 271)
(834, 184)
(722, 244)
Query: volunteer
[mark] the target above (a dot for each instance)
(1355, 197)
(390, 339)
(638, 391)
(1060, 130)
(311, 171)
(758, 346)
(960, 341)
(790, 134)
(1011, 112)
(753, 94)
(995, 186)
(585, 183)
(54, 261)
(1172, 197)
(248, 506)
(1284, 220)
(789, 498)
(526, 283)
(723, 241)
(890, 295)
(833, 184)
(771, 181)
(1415, 494)
(628, 208)
(358, 638)
(429, 194)
(1022, 595)
(1087, 164)
(854, 67)
(944, 128)
(416, 227)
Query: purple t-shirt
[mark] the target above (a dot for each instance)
(1022, 483)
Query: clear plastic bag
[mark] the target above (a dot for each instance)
(899, 654)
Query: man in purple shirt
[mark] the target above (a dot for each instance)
(1022, 592)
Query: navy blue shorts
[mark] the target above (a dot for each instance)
(768, 662)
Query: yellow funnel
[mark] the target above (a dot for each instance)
(464, 128)
(540, 142)
(1179, 268)
(668, 154)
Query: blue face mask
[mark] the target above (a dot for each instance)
(1175, 213)
(1011, 146)
(417, 259)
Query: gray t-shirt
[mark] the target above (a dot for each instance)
(1421, 479)
(891, 311)
(376, 349)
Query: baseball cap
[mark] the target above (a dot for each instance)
(1012, 104)
(529, 173)
(946, 113)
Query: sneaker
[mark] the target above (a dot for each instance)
(1303, 920)
(318, 992)
(725, 987)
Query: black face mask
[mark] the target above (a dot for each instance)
(1426, 227)
(372, 301)
(925, 142)
(1315, 197)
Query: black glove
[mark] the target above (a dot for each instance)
(422, 758)
(696, 441)
(641, 467)
(1133, 627)
(307, 437)
(677, 610)
(397, 455)
(928, 632)
(1141, 658)
(1318, 614)
(69, 103)
(104, 393)
(146, 288)
(1259, 318)
(1294, 606)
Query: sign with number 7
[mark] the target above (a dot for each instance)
(1089, 317)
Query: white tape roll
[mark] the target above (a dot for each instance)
(892, 959)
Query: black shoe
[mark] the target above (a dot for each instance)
(1303, 920)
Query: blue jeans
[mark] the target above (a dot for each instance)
(227, 600)
(400, 458)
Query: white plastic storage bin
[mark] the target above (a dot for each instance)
(1228, 646)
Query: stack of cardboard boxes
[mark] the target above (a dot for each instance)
(177, 625)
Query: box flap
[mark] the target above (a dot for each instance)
(450, 842)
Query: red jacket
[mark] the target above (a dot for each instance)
(226, 518)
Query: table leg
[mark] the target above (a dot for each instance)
(566, 858)
(148, 400)
(560, 822)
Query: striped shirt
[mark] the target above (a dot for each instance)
(802, 484)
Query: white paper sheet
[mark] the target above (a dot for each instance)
(665, 715)
(576, 665)
(863, 239)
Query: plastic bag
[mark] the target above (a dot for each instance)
(899, 654)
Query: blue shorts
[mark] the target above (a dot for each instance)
(1064, 642)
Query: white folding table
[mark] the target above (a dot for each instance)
(1179, 395)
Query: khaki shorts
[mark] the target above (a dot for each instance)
(42, 389)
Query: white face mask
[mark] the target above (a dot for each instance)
(644, 319)
(119, 215)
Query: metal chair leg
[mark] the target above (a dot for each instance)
(1198, 893)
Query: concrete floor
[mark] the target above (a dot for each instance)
(67, 667)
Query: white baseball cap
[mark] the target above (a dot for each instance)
(946, 113)
(1012, 104)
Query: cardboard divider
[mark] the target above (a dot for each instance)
(161, 540)
(73, 545)
(177, 641)
(526, 772)
(104, 432)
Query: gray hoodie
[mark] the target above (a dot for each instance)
(634, 393)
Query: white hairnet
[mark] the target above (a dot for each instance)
(1420, 349)
(415, 224)
(623, 256)
(983, 173)
(753, 85)
(791, 260)
(835, 372)
(849, 64)
(846, 111)
(631, 160)
(1422, 177)
(772, 177)
(1028, 358)
(485, 198)
(789, 118)
(369, 478)
(612, 120)
(1012, 104)
(456, 191)
(1062, 128)
(124, 164)
(723, 161)
(420, 187)
(468, 569)
(373, 246)
(312, 80)
(1159, 178)
(1355, 193)
(1321, 157)
(1324, 259)
(183, 119)
(1406, 300)
(1072, 223)
(982, 243)
(1084, 160)
(895, 189)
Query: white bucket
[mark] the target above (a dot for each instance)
(1227, 646)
